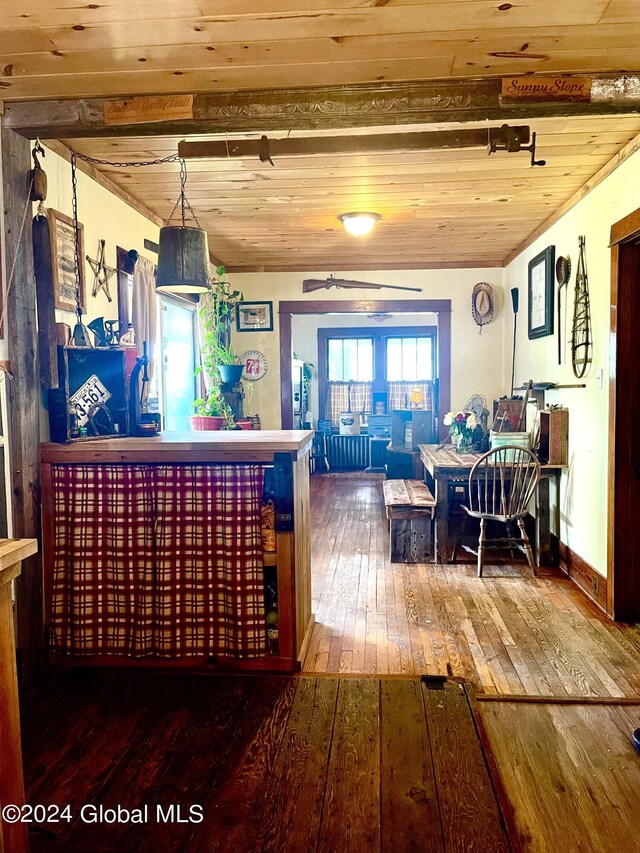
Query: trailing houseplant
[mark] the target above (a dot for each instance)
(217, 310)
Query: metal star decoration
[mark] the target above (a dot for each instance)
(101, 272)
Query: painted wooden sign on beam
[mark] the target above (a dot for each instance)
(546, 89)
(148, 109)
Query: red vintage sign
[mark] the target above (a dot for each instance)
(546, 88)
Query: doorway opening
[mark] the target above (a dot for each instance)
(383, 362)
(623, 582)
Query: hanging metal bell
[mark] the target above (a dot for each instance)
(183, 260)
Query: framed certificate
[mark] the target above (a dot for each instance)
(63, 261)
(541, 272)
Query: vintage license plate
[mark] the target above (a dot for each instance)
(91, 394)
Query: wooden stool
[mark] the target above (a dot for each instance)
(410, 509)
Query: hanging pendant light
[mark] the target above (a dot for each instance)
(183, 251)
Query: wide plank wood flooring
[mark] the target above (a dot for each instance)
(507, 633)
(275, 763)
(571, 773)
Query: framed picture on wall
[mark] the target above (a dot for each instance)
(63, 264)
(254, 317)
(541, 277)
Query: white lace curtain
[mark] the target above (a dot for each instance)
(144, 313)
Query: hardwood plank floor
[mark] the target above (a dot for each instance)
(271, 763)
(508, 632)
(570, 772)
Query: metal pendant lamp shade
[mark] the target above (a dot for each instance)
(183, 260)
(183, 251)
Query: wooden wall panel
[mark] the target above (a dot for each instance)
(24, 396)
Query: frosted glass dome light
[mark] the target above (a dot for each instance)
(359, 224)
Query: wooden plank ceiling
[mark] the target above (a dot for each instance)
(59, 48)
(440, 208)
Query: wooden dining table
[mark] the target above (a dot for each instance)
(445, 466)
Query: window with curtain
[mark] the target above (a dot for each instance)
(397, 362)
(350, 376)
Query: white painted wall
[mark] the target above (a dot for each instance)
(583, 490)
(476, 362)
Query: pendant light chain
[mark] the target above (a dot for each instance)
(76, 234)
(183, 184)
(182, 200)
(183, 254)
(131, 164)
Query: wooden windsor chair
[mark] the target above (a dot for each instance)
(501, 484)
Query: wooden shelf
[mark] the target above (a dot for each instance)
(270, 558)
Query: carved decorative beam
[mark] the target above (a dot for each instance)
(321, 107)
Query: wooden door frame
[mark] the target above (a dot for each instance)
(441, 307)
(623, 591)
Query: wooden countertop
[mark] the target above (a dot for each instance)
(193, 446)
(12, 552)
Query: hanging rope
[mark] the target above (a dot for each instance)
(14, 261)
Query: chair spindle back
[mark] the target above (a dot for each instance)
(502, 482)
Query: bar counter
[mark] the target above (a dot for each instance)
(152, 551)
(205, 446)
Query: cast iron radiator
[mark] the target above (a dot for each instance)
(348, 452)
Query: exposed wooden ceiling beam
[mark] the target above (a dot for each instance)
(321, 107)
(361, 144)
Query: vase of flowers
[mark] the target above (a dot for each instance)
(461, 426)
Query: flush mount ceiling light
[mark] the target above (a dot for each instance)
(359, 224)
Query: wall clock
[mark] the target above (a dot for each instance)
(255, 364)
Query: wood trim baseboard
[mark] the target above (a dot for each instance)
(590, 582)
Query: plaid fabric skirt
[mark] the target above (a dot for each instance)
(158, 560)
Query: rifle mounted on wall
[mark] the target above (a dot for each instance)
(309, 285)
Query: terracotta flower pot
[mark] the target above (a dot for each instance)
(244, 423)
(206, 422)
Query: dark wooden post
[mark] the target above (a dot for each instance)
(23, 395)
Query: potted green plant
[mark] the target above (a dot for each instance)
(212, 411)
(217, 314)
(217, 356)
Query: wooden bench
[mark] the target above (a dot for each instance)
(410, 508)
